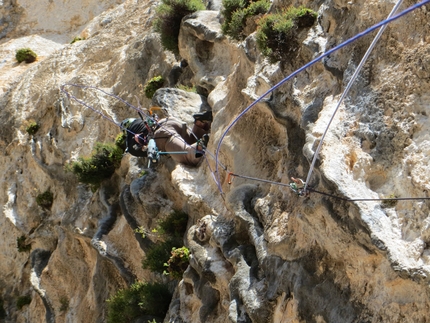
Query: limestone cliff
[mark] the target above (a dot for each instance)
(259, 252)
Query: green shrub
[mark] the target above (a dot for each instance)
(277, 33)
(237, 23)
(174, 224)
(64, 301)
(2, 310)
(32, 127)
(100, 166)
(168, 20)
(45, 199)
(21, 245)
(138, 300)
(22, 301)
(178, 262)
(25, 54)
(153, 85)
(159, 254)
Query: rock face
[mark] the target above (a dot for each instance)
(259, 252)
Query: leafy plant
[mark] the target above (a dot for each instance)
(100, 166)
(64, 301)
(22, 301)
(178, 262)
(138, 300)
(277, 33)
(158, 255)
(168, 20)
(237, 23)
(32, 127)
(25, 54)
(153, 85)
(45, 199)
(22, 245)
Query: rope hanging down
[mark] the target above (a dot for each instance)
(329, 52)
(346, 91)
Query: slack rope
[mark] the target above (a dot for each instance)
(329, 52)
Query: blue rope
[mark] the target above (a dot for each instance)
(345, 43)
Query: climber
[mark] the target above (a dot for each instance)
(170, 135)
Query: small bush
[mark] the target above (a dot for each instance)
(277, 33)
(45, 199)
(138, 300)
(237, 23)
(178, 262)
(64, 301)
(25, 54)
(32, 127)
(22, 301)
(100, 166)
(159, 254)
(168, 20)
(22, 245)
(153, 85)
(174, 224)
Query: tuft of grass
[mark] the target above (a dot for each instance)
(178, 262)
(140, 299)
(153, 85)
(235, 25)
(99, 167)
(22, 245)
(22, 301)
(168, 20)
(32, 127)
(277, 33)
(25, 55)
(45, 199)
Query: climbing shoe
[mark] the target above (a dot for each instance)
(205, 116)
(205, 140)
